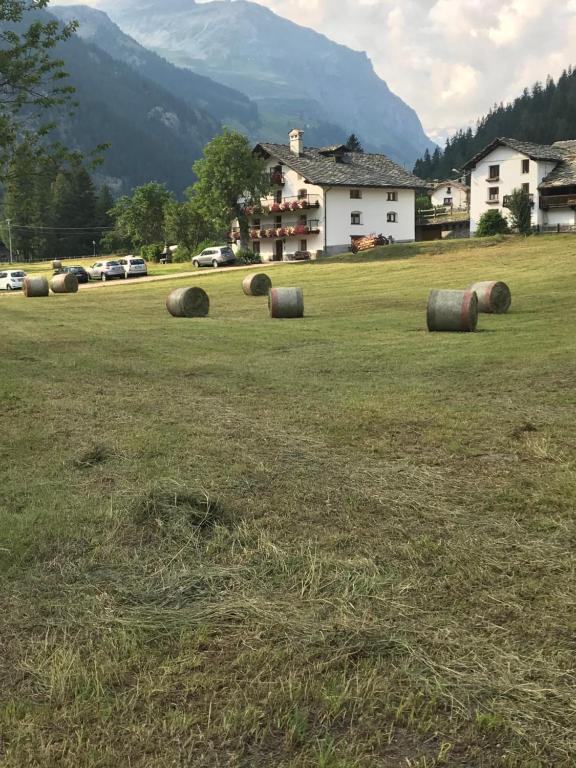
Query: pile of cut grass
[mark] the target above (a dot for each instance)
(333, 542)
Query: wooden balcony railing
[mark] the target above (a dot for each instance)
(557, 201)
(506, 200)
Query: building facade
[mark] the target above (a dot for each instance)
(546, 172)
(450, 194)
(324, 198)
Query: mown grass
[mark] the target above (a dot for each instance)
(45, 267)
(340, 542)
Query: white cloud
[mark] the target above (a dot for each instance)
(449, 59)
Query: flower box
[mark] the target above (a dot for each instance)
(303, 204)
(254, 234)
(301, 229)
(295, 205)
(286, 207)
(275, 208)
(270, 233)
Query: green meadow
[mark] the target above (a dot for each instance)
(335, 542)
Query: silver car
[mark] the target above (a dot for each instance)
(219, 256)
(106, 270)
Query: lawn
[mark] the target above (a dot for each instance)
(45, 267)
(336, 542)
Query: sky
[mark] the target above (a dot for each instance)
(449, 59)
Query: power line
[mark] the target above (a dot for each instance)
(63, 229)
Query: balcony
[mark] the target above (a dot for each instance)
(557, 201)
(506, 200)
(299, 229)
(277, 178)
(286, 205)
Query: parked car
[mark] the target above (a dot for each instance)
(77, 270)
(106, 270)
(134, 266)
(12, 279)
(218, 256)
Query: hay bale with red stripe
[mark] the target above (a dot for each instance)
(494, 297)
(452, 311)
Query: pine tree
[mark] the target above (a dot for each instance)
(74, 211)
(353, 144)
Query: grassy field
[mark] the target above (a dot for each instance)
(336, 542)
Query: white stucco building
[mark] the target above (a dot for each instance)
(324, 198)
(546, 172)
(450, 194)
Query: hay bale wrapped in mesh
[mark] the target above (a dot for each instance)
(286, 302)
(494, 297)
(56, 264)
(257, 285)
(188, 302)
(35, 286)
(452, 311)
(64, 283)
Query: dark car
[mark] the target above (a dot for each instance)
(80, 272)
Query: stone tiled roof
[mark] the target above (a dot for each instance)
(561, 152)
(564, 175)
(533, 151)
(358, 169)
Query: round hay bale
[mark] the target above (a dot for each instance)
(35, 286)
(257, 285)
(452, 311)
(493, 297)
(66, 282)
(188, 302)
(56, 264)
(286, 302)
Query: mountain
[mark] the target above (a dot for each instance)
(197, 91)
(288, 70)
(153, 134)
(543, 115)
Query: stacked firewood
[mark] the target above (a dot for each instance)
(366, 243)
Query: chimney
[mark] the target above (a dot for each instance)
(296, 142)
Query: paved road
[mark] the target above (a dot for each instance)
(191, 274)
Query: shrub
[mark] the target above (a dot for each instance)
(151, 252)
(492, 223)
(248, 257)
(181, 255)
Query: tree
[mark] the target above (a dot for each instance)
(229, 176)
(353, 144)
(520, 209)
(141, 218)
(491, 223)
(31, 81)
(103, 220)
(185, 226)
(74, 211)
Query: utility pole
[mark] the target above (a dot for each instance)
(9, 238)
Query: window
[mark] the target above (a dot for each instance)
(356, 218)
(303, 245)
(447, 201)
(525, 166)
(355, 194)
(256, 223)
(278, 221)
(302, 194)
(526, 188)
(256, 247)
(392, 197)
(278, 197)
(493, 194)
(494, 172)
(303, 219)
(392, 218)
(448, 190)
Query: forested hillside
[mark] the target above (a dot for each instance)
(544, 114)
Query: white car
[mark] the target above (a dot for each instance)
(134, 266)
(12, 279)
(218, 256)
(106, 270)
